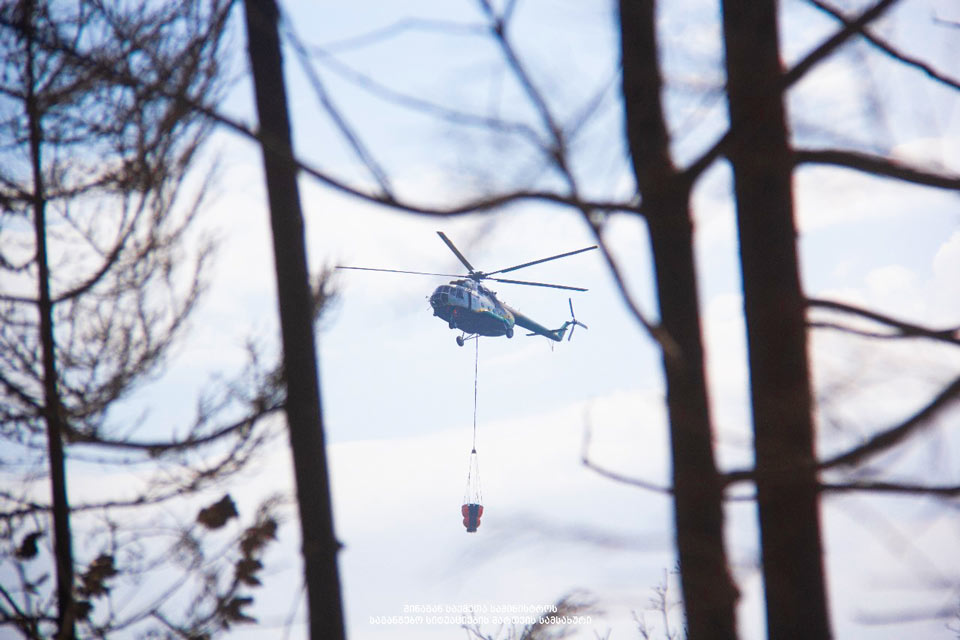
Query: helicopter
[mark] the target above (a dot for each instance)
(473, 309)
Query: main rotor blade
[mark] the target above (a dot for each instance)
(417, 273)
(456, 252)
(528, 264)
(538, 284)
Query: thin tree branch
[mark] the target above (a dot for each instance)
(885, 47)
(229, 463)
(113, 256)
(26, 398)
(476, 205)
(624, 479)
(158, 447)
(351, 136)
(415, 102)
(876, 165)
(832, 43)
(655, 331)
(886, 439)
(498, 27)
(874, 335)
(789, 78)
(613, 475)
(879, 443)
(20, 619)
(891, 487)
(904, 329)
(401, 26)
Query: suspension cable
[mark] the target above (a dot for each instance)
(476, 367)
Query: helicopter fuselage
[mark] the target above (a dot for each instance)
(466, 305)
(472, 308)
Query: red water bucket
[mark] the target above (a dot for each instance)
(471, 515)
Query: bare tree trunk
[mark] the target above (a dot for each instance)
(709, 595)
(776, 334)
(303, 408)
(53, 416)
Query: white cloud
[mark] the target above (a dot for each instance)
(941, 153)
(550, 525)
(946, 280)
(895, 289)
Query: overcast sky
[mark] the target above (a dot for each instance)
(398, 392)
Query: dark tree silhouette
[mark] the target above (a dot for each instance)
(300, 376)
(98, 281)
(781, 399)
(708, 590)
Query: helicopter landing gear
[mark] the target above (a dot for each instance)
(461, 340)
(509, 332)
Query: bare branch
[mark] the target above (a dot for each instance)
(498, 27)
(418, 103)
(353, 139)
(903, 329)
(613, 475)
(23, 621)
(624, 479)
(885, 47)
(402, 26)
(831, 44)
(655, 331)
(946, 491)
(879, 443)
(876, 165)
(873, 335)
(886, 439)
(158, 447)
(477, 205)
(788, 79)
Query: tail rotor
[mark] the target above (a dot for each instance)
(574, 323)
